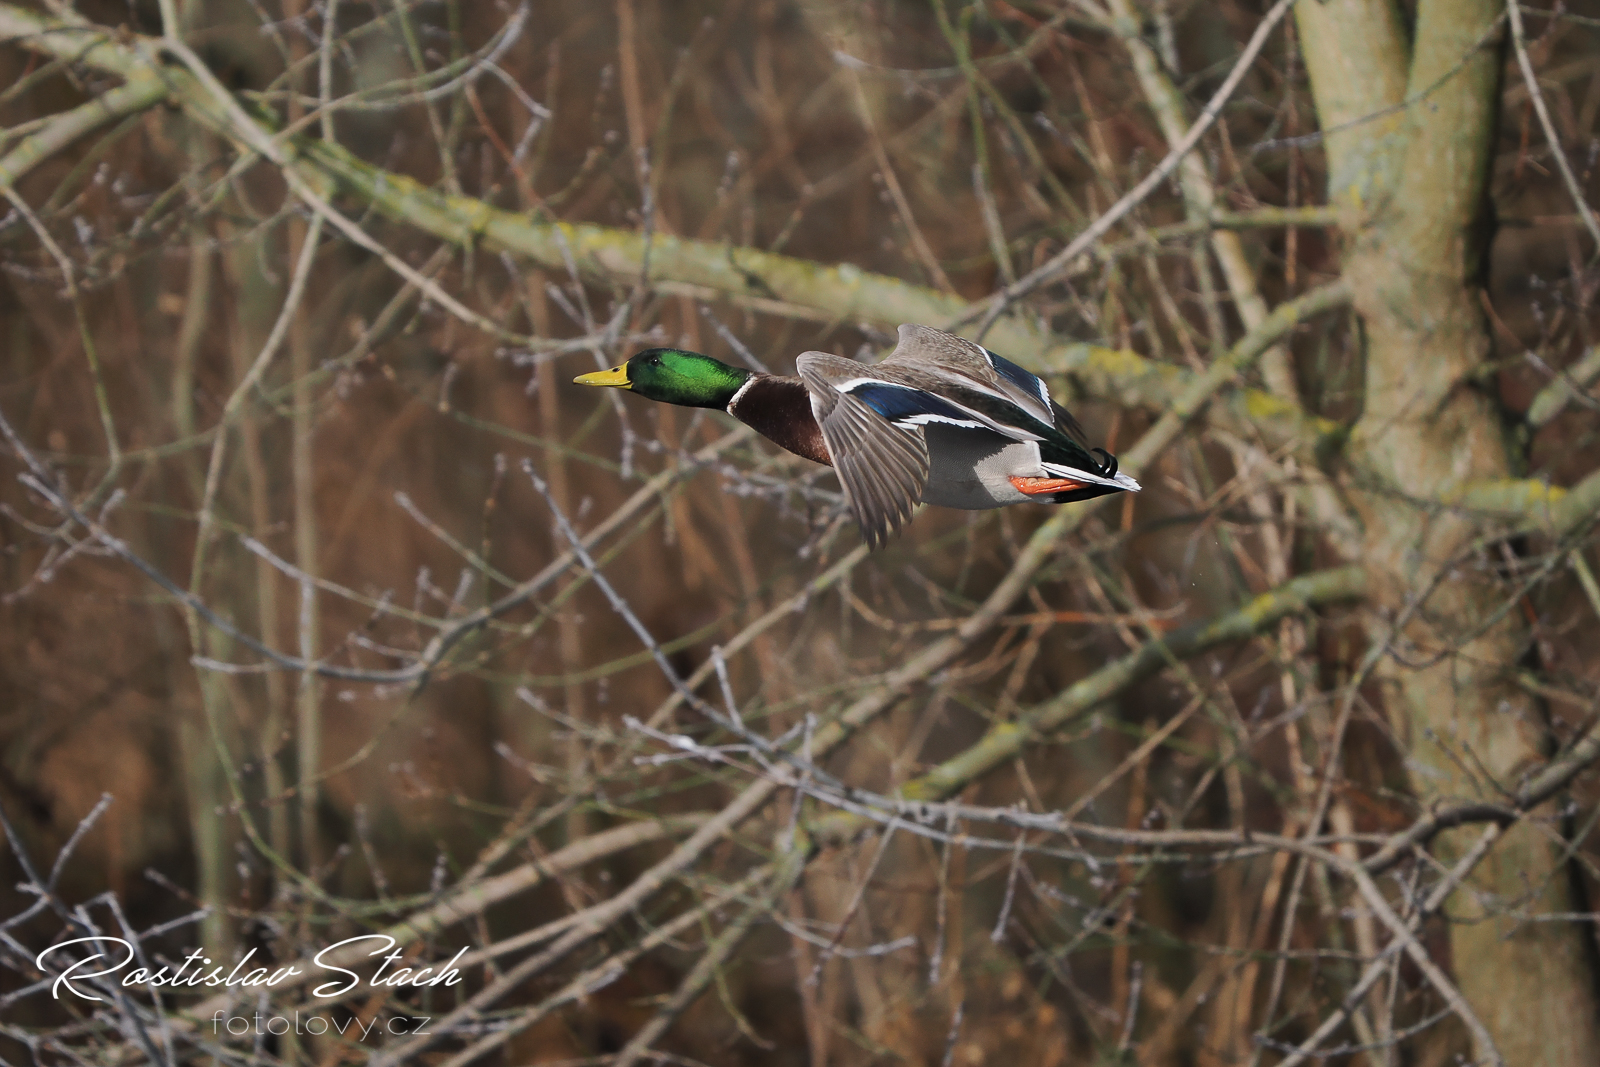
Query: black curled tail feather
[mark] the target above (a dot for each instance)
(1108, 469)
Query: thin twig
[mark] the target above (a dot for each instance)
(1585, 212)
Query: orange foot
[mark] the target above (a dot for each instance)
(1036, 486)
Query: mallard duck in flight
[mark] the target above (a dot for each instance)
(940, 420)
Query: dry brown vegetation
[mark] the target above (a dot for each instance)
(330, 608)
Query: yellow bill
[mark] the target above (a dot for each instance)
(616, 377)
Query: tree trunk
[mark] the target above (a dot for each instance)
(1415, 179)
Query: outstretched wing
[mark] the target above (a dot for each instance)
(882, 461)
(970, 367)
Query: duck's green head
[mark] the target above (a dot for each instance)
(673, 377)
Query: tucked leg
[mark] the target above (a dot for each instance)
(1036, 486)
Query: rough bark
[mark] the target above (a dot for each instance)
(1416, 176)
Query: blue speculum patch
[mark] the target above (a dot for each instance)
(898, 403)
(1020, 378)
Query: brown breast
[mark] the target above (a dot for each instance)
(779, 409)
